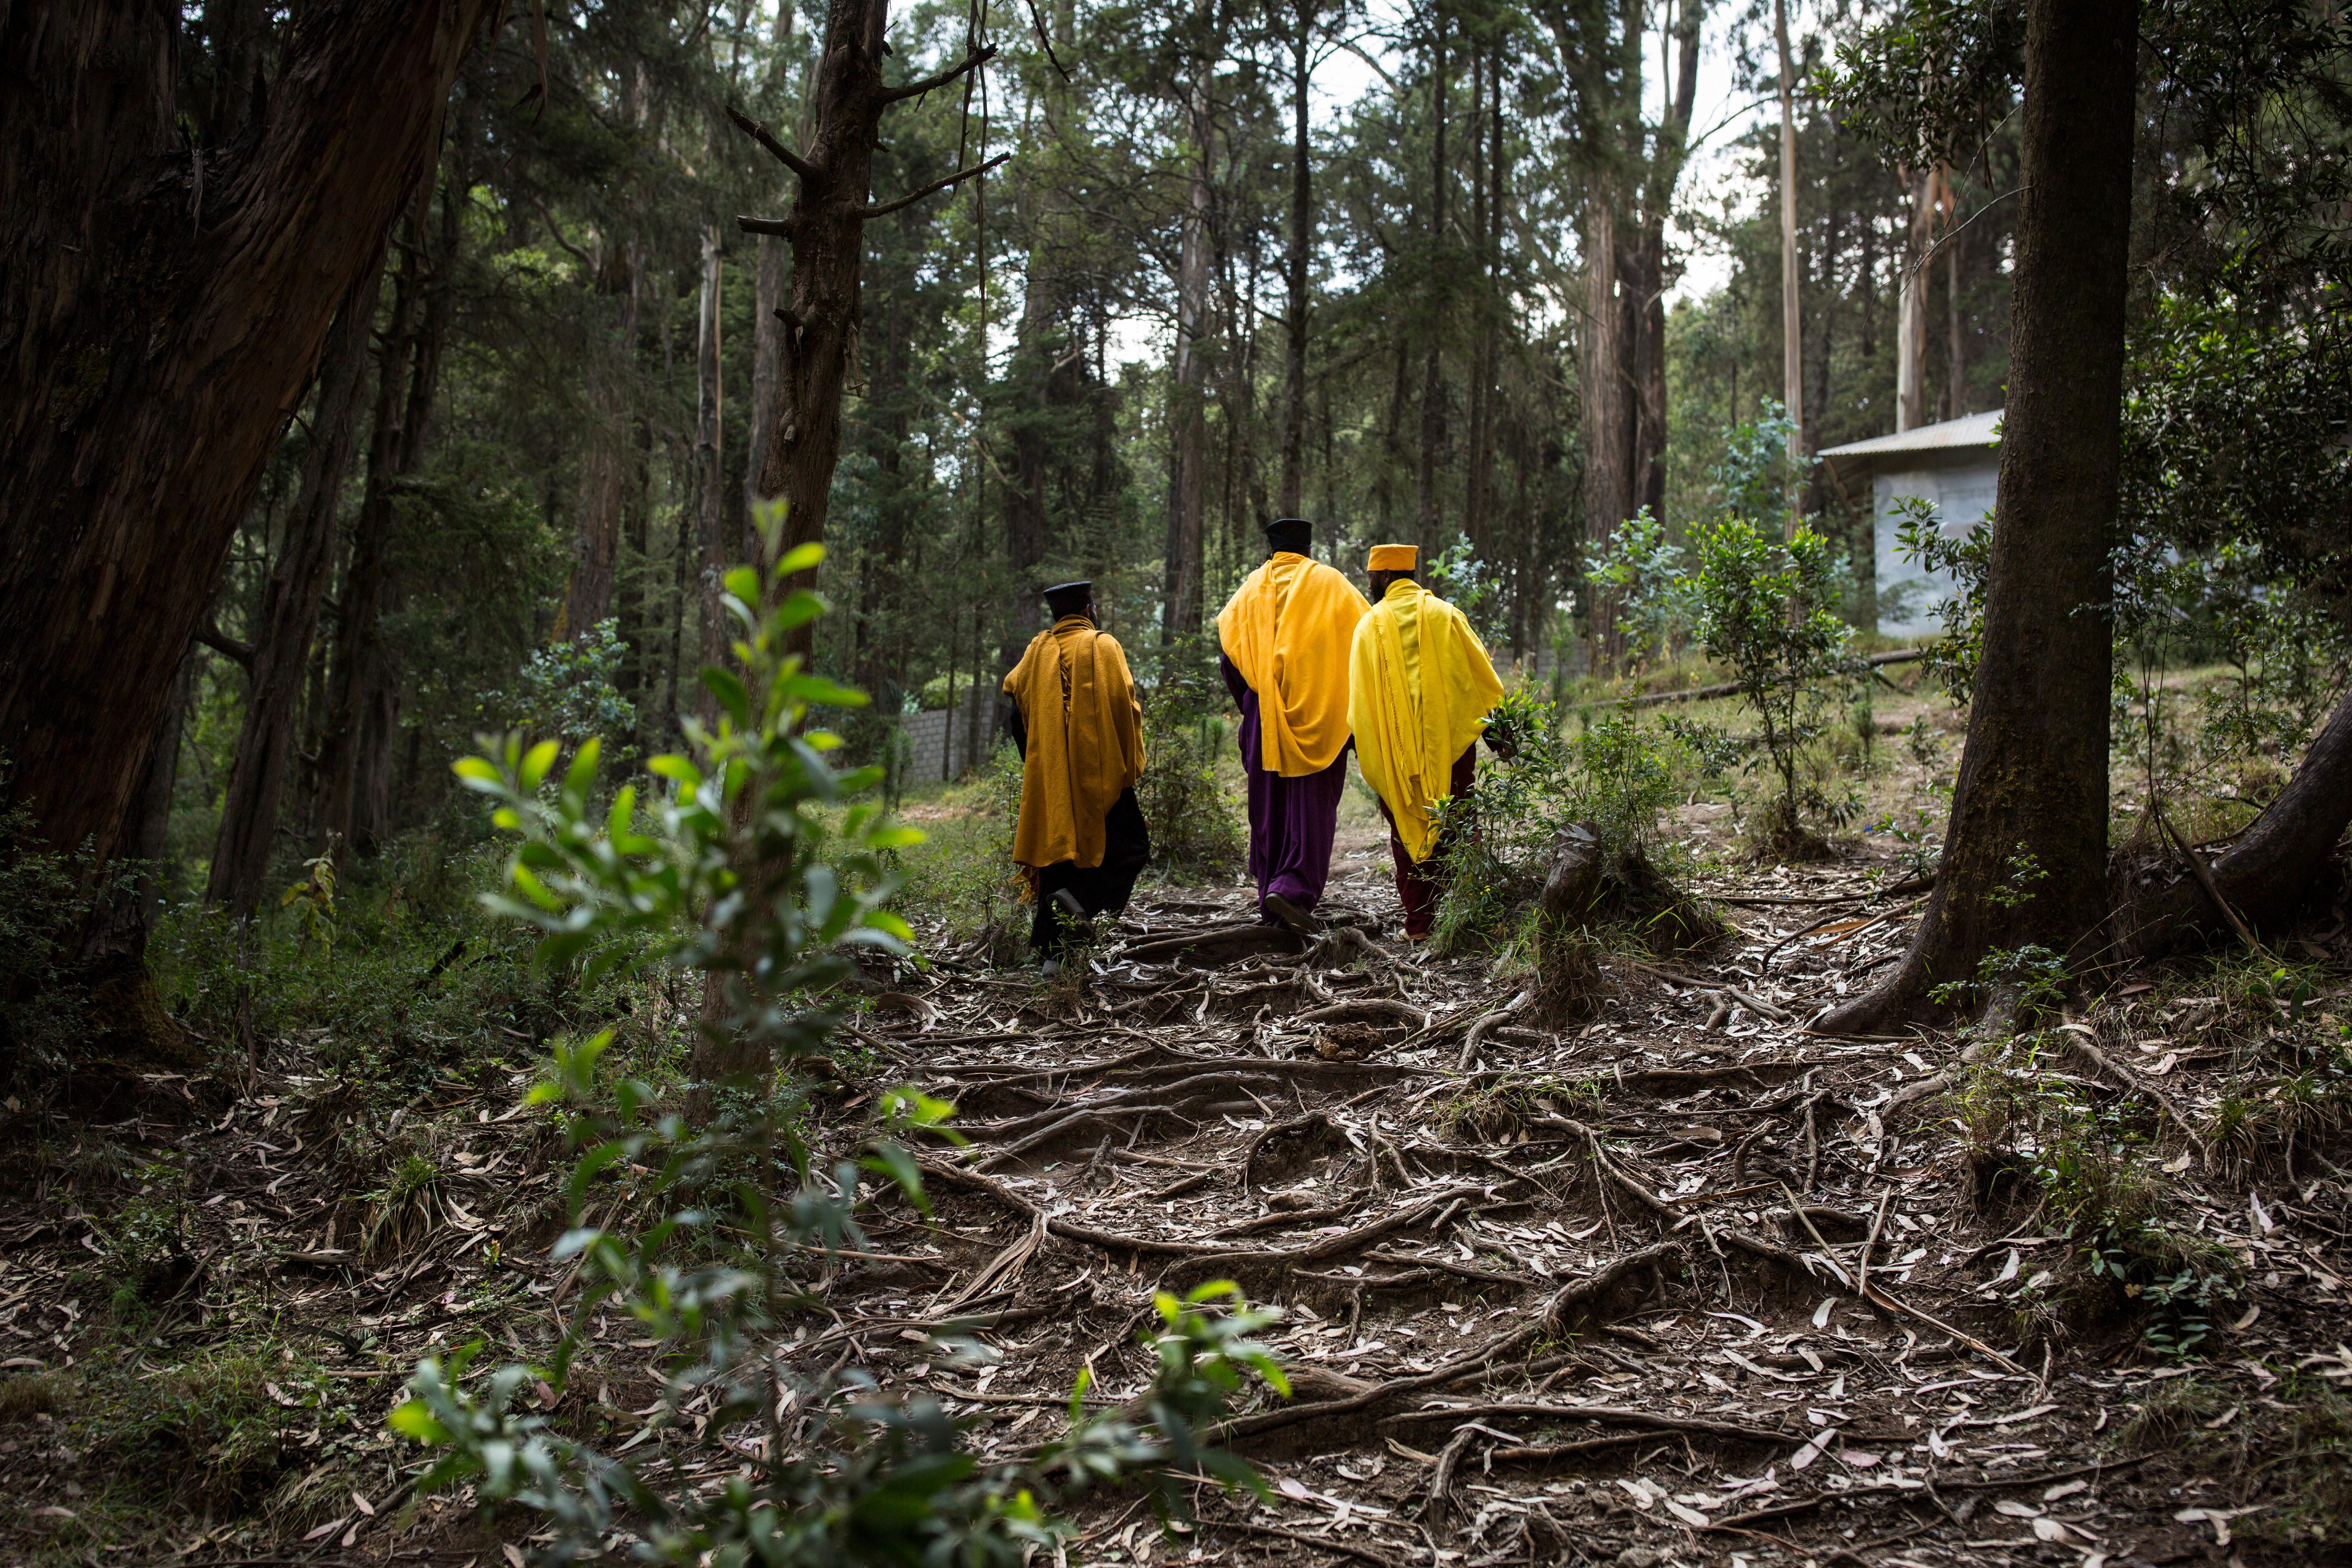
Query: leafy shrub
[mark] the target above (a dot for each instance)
(1197, 832)
(569, 689)
(730, 881)
(1769, 611)
(44, 1016)
(1642, 572)
(1616, 777)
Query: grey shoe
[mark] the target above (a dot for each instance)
(1067, 902)
(1050, 968)
(1289, 913)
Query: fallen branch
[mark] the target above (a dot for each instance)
(1618, 1414)
(2087, 1043)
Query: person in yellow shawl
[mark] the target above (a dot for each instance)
(1284, 656)
(1080, 839)
(1420, 687)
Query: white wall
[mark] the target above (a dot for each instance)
(1961, 494)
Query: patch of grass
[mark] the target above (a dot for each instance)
(30, 1394)
(1507, 1107)
(2028, 1136)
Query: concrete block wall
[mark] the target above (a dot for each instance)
(942, 742)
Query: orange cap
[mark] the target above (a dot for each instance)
(1393, 558)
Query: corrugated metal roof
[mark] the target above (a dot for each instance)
(1975, 430)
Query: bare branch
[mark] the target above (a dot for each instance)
(759, 134)
(776, 225)
(936, 185)
(918, 88)
(221, 643)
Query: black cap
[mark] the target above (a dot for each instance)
(1068, 598)
(1292, 533)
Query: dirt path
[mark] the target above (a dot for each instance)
(1677, 1283)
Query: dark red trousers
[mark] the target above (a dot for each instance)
(1417, 882)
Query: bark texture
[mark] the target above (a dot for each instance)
(2267, 873)
(826, 228)
(2025, 852)
(270, 732)
(164, 310)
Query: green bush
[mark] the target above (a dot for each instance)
(1617, 776)
(1770, 610)
(730, 879)
(1197, 831)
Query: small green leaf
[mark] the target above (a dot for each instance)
(536, 763)
(415, 1419)
(477, 772)
(582, 774)
(724, 685)
(800, 558)
(744, 583)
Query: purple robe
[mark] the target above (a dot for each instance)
(1291, 821)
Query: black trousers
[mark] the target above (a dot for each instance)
(1100, 889)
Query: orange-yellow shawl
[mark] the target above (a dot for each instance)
(1085, 741)
(1419, 688)
(1287, 630)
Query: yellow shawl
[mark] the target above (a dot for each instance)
(1084, 745)
(1419, 688)
(1287, 630)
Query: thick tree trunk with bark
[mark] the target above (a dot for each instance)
(1433, 313)
(271, 731)
(363, 700)
(165, 309)
(1608, 488)
(710, 470)
(2266, 874)
(604, 457)
(826, 229)
(1792, 333)
(2025, 853)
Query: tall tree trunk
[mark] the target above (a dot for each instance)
(825, 229)
(1602, 388)
(1035, 350)
(767, 294)
(158, 348)
(122, 990)
(604, 458)
(709, 472)
(1792, 331)
(1433, 315)
(270, 732)
(1474, 475)
(356, 754)
(1646, 348)
(1911, 309)
(1296, 270)
(1956, 364)
(2025, 853)
(1187, 463)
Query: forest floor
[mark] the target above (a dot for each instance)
(1677, 1282)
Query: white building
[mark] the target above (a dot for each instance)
(1955, 467)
